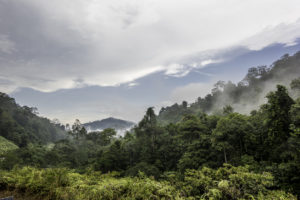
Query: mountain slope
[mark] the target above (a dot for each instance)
(110, 122)
(6, 145)
(244, 96)
(22, 126)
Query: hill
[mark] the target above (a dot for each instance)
(22, 125)
(117, 124)
(6, 145)
(243, 97)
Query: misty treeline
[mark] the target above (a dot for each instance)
(245, 96)
(22, 125)
(196, 151)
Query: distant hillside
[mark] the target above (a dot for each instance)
(6, 145)
(244, 96)
(117, 124)
(22, 126)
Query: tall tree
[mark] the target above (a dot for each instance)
(278, 116)
(231, 136)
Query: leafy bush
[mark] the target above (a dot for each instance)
(64, 184)
(6, 146)
(227, 182)
(230, 182)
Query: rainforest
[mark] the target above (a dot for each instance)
(213, 148)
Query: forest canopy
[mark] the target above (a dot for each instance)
(203, 150)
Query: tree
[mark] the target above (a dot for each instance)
(102, 138)
(295, 84)
(198, 153)
(78, 131)
(293, 150)
(113, 159)
(150, 117)
(278, 116)
(227, 110)
(231, 136)
(191, 128)
(147, 133)
(184, 104)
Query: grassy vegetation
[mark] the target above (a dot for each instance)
(227, 182)
(65, 184)
(6, 146)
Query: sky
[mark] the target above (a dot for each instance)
(92, 59)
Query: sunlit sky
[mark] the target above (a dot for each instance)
(91, 59)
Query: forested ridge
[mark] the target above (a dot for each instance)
(110, 122)
(209, 149)
(21, 125)
(245, 96)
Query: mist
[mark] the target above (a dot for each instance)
(251, 92)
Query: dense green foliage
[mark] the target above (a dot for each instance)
(225, 183)
(243, 96)
(6, 146)
(22, 126)
(199, 155)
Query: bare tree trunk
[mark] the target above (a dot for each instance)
(241, 147)
(225, 158)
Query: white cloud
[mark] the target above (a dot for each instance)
(180, 70)
(132, 84)
(53, 44)
(177, 70)
(282, 33)
(191, 92)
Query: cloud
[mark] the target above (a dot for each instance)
(6, 45)
(132, 84)
(282, 33)
(191, 92)
(51, 45)
(180, 70)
